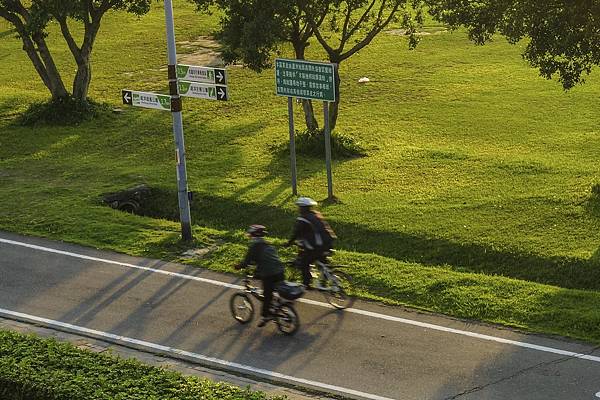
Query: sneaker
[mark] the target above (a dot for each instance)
(263, 321)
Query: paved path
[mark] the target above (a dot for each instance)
(370, 352)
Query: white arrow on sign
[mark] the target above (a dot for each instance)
(202, 90)
(147, 100)
(209, 75)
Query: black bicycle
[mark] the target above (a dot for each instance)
(282, 307)
(332, 282)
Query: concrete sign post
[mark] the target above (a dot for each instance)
(182, 186)
(184, 80)
(312, 81)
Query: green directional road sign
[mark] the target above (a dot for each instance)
(305, 79)
(202, 90)
(146, 100)
(216, 76)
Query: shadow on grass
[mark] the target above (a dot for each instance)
(11, 108)
(230, 214)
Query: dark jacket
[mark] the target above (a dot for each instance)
(310, 231)
(265, 257)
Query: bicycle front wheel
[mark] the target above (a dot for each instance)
(336, 292)
(287, 319)
(241, 308)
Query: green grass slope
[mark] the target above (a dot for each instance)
(474, 198)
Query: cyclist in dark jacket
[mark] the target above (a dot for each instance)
(269, 268)
(313, 235)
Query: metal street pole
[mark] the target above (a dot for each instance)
(292, 146)
(328, 151)
(182, 187)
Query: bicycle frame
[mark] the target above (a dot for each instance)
(326, 273)
(257, 293)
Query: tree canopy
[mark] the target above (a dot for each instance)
(252, 30)
(31, 18)
(563, 35)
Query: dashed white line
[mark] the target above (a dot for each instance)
(320, 304)
(189, 354)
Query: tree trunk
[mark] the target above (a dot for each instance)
(307, 106)
(83, 77)
(81, 83)
(309, 115)
(334, 107)
(44, 65)
(333, 114)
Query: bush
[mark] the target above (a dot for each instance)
(62, 111)
(32, 368)
(312, 144)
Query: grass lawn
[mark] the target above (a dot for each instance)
(35, 368)
(474, 198)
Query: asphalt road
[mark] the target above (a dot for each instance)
(373, 352)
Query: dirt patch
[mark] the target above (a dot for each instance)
(204, 51)
(200, 253)
(427, 32)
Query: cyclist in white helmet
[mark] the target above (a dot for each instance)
(313, 235)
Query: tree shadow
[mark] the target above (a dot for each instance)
(225, 213)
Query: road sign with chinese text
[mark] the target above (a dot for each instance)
(305, 79)
(202, 90)
(146, 100)
(216, 76)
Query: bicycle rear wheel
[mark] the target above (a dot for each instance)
(241, 308)
(287, 319)
(336, 292)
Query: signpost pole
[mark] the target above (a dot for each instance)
(292, 145)
(182, 188)
(328, 151)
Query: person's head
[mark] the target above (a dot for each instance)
(305, 204)
(256, 231)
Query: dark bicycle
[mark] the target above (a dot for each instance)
(282, 307)
(332, 282)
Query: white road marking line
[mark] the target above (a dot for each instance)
(172, 350)
(122, 264)
(320, 304)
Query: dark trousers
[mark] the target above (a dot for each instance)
(269, 283)
(303, 261)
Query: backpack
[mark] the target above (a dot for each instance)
(323, 234)
(290, 290)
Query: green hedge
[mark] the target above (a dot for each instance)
(32, 368)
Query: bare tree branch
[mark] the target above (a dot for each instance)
(345, 28)
(371, 35)
(360, 21)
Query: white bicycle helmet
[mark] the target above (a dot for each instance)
(305, 202)
(257, 230)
